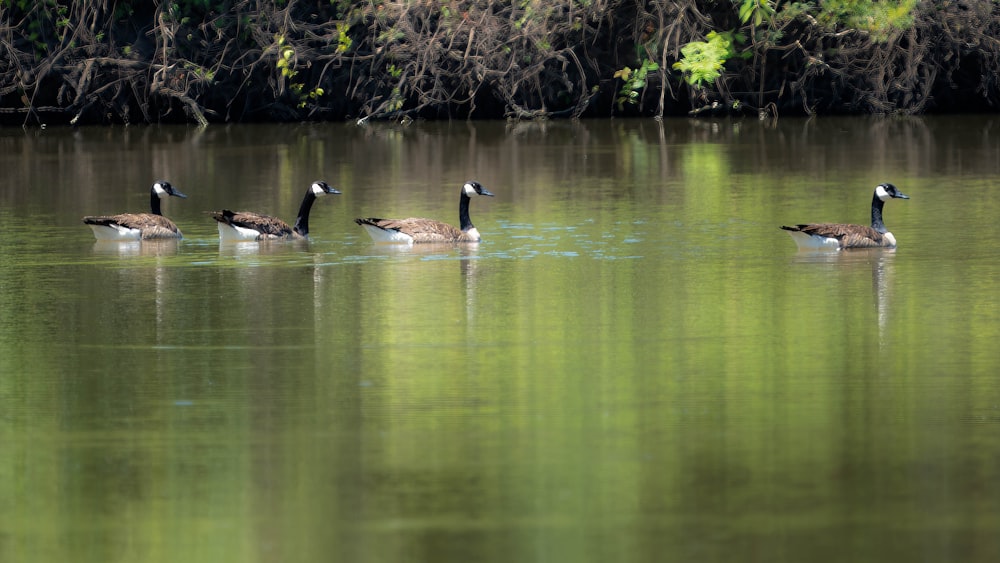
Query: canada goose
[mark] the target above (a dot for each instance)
(839, 236)
(247, 225)
(136, 226)
(415, 229)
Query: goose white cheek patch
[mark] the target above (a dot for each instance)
(882, 194)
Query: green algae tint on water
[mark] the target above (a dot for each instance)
(635, 364)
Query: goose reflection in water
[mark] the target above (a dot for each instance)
(465, 255)
(880, 260)
(152, 247)
(247, 249)
(149, 274)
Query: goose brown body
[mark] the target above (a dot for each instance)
(420, 230)
(149, 226)
(846, 235)
(138, 226)
(839, 236)
(250, 226)
(266, 227)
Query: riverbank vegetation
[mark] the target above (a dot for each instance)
(130, 61)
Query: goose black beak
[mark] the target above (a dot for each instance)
(901, 195)
(484, 191)
(176, 193)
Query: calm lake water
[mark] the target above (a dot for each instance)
(635, 365)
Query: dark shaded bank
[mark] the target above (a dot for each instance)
(105, 61)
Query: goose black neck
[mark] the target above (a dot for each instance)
(154, 203)
(877, 223)
(463, 212)
(302, 221)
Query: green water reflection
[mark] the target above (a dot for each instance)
(635, 365)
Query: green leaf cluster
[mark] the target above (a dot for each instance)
(344, 41)
(879, 18)
(286, 64)
(634, 82)
(756, 10)
(702, 61)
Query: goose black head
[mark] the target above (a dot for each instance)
(885, 192)
(319, 187)
(472, 188)
(163, 189)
